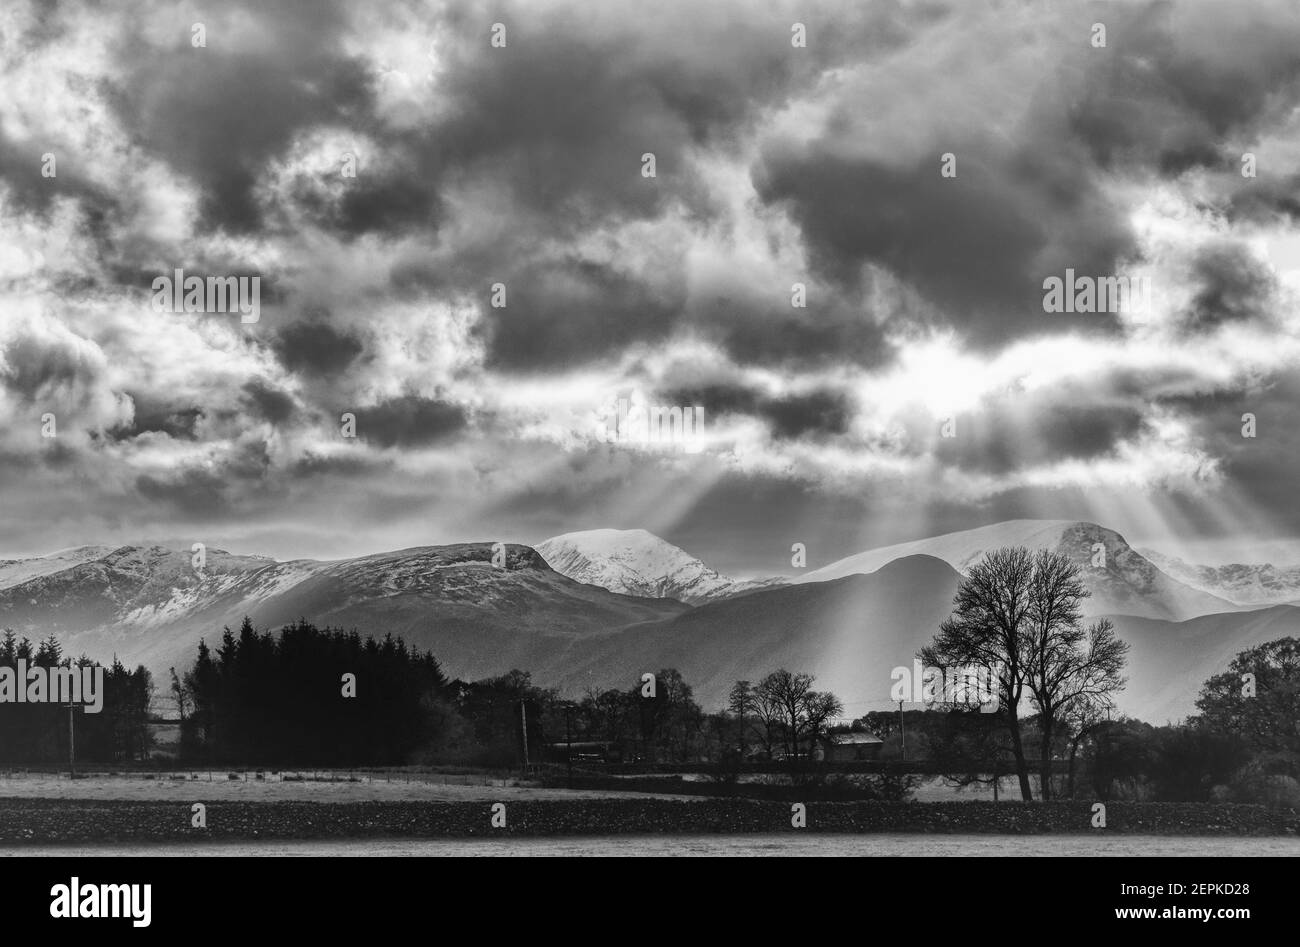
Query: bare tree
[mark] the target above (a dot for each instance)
(181, 695)
(819, 707)
(802, 710)
(1081, 717)
(987, 630)
(1065, 662)
(787, 692)
(1018, 616)
(768, 711)
(741, 703)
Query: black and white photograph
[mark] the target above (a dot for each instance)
(608, 428)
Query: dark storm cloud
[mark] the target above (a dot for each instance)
(316, 348)
(217, 114)
(1187, 79)
(267, 402)
(523, 165)
(409, 421)
(40, 367)
(821, 412)
(238, 477)
(788, 417)
(1178, 86)
(1265, 199)
(555, 125)
(560, 118)
(1019, 432)
(767, 330)
(1263, 467)
(384, 201)
(156, 417)
(717, 400)
(48, 368)
(563, 115)
(249, 461)
(563, 314)
(21, 163)
(312, 465)
(194, 492)
(1232, 286)
(974, 244)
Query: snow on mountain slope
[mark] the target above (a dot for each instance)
(1127, 584)
(1244, 584)
(850, 633)
(144, 586)
(149, 605)
(16, 571)
(637, 562)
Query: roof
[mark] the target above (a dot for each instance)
(842, 739)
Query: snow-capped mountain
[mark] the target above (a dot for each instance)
(637, 562)
(15, 571)
(1244, 584)
(148, 604)
(1126, 584)
(852, 632)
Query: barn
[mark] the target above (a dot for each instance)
(846, 747)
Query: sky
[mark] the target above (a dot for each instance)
(919, 168)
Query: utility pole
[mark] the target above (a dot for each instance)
(902, 729)
(72, 742)
(523, 715)
(568, 738)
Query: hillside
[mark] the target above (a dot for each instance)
(849, 632)
(147, 605)
(1129, 583)
(637, 562)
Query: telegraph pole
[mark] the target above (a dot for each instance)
(568, 738)
(523, 715)
(72, 742)
(902, 729)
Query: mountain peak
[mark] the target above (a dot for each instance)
(637, 562)
(1121, 580)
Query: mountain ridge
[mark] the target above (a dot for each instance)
(147, 604)
(637, 562)
(1124, 583)
(481, 619)
(1246, 584)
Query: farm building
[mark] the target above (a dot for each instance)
(845, 747)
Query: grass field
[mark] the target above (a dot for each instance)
(337, 787)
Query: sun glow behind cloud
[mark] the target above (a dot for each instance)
(923, 293)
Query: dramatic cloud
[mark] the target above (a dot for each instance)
(840, 259)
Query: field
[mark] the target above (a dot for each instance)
(306, 786)
(740, 846)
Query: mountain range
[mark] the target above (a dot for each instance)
(1121, 582)
(637, 562)
(598, 608)
(149, 605)
(1254, 584)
